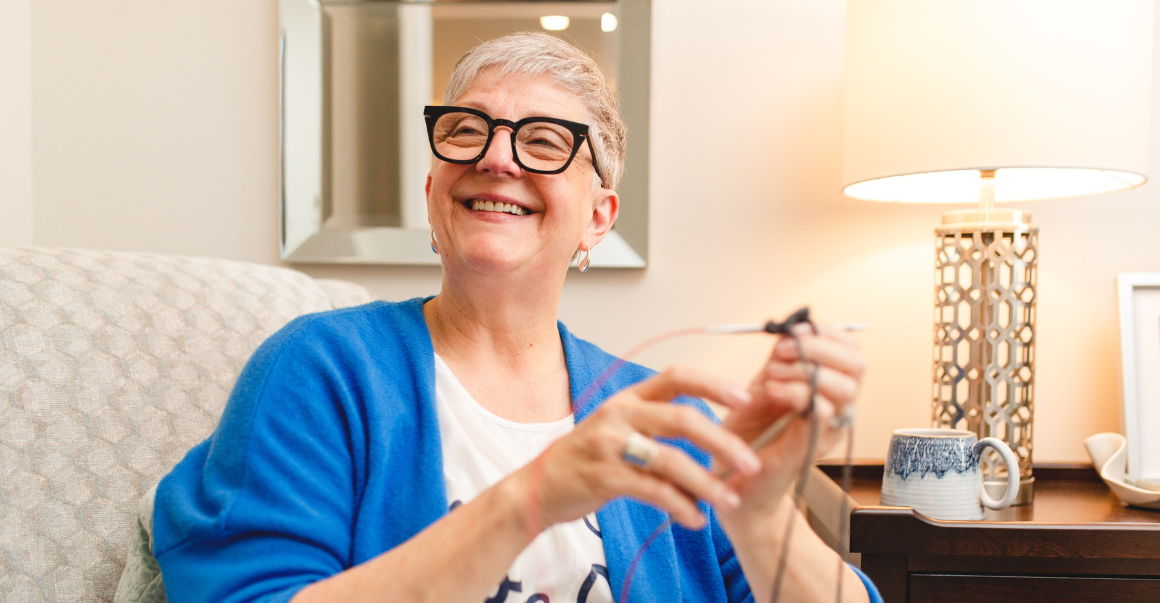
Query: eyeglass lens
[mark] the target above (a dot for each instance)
(539, 145)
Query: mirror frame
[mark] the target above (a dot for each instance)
(304, 88)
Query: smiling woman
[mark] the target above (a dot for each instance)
(432, 450)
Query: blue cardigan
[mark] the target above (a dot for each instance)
(328, 454)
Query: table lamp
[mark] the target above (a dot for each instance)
(992, 101)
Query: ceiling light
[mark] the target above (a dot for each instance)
(554, 22)
(608, 22)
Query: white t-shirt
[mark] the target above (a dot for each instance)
(565, 563)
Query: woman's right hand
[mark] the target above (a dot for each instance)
(580, 472)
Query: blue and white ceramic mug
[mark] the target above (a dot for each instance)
(937, 473)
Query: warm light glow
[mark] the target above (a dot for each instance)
(554, 22)
(607, 22)
(1011, 184)
(1031, 87)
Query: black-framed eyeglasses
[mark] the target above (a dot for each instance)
(540, 145)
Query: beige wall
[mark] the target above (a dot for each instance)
(15, 122)
(155, 128)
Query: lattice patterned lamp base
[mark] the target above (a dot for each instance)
(984, 335)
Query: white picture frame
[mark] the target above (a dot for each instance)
(1139, 309)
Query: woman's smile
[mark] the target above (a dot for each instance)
(505, 208)
(486, 203)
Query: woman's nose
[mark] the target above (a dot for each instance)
(498, 160)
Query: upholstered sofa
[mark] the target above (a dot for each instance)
(112, 366)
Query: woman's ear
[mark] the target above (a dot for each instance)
(605, 209)
(427, 191)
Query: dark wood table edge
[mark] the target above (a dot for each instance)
(884, 530)
(872, 469)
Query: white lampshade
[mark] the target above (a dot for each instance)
(1054, 94)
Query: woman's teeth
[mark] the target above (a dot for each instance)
(507, 208)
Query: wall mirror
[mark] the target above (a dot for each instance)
(355, 75)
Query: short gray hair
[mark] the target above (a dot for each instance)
(535, 53)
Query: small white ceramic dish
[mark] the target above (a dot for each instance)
(1108, 452)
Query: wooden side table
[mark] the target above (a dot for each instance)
(1076, 542)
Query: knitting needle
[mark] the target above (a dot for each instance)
(774, 431)
(729, 329)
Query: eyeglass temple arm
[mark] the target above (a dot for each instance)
(592, 149)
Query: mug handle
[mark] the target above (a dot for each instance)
(1012, 474)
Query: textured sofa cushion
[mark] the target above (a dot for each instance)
(112, 366)
(343, 294)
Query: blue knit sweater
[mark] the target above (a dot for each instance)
(328, 454)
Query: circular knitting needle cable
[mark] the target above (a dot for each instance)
(771, 433)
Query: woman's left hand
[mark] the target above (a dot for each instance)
(783, 386)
